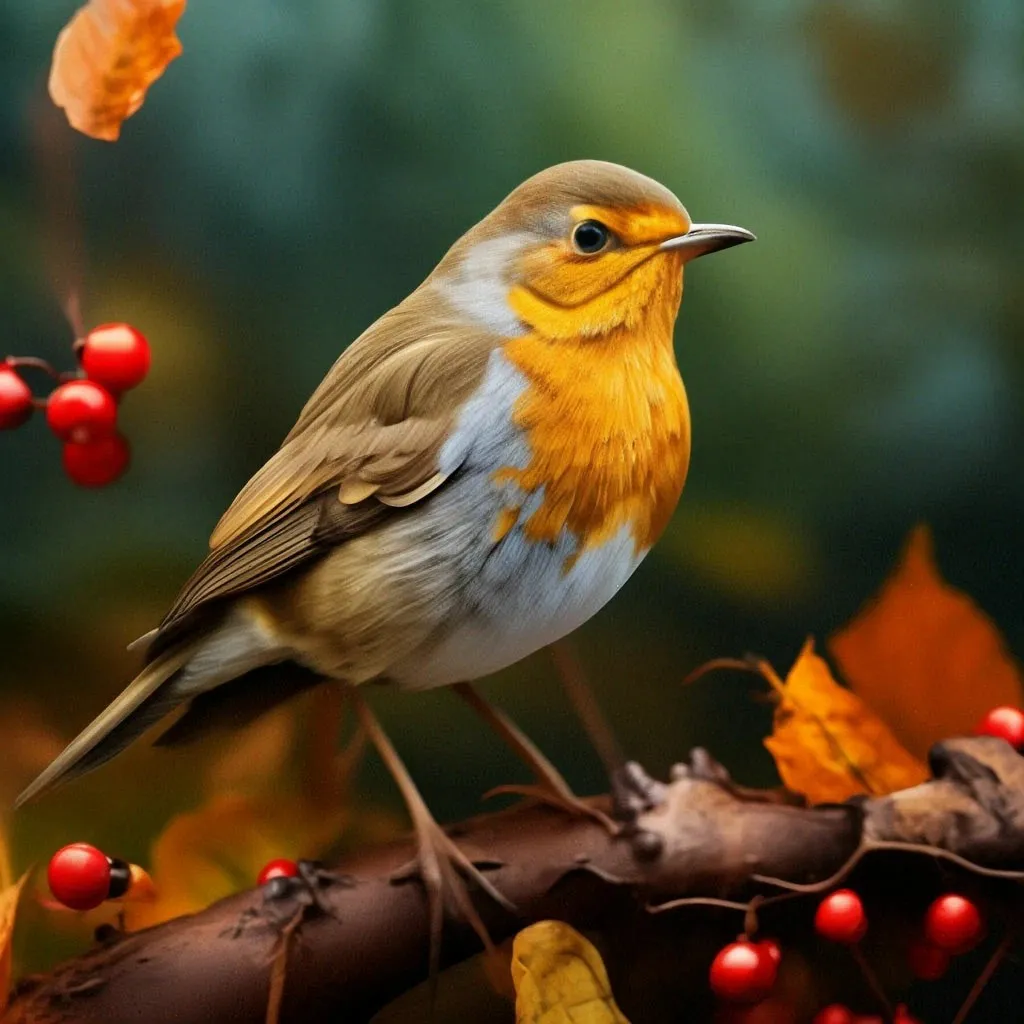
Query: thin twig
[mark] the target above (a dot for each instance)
(696, 901)
(279, 967)
(739, 664)
(877, 846)
(34, 363)
(871, 978)
(595, 725)
(986, 974)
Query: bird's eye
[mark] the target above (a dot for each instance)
(590, 236)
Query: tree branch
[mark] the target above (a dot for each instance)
(696, 835)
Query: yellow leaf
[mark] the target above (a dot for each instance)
(827, 743)
(924, 656)
(560, 978)
(106, 58)
(9, 896)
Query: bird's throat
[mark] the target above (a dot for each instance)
(608, 428)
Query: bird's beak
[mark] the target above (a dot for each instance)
(704, 238)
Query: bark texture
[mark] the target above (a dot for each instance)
(696, 835)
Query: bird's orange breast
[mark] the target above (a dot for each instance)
(605, 417)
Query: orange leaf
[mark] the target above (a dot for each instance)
(9, 895)
(827, 743)
(924, 656)
(106, 58)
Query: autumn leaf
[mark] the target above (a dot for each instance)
(924, 656)
(560, 978)
(10, 892)
(827, 743)
(106, 58)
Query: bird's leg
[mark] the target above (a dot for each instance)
(441, 863)
(552, 787)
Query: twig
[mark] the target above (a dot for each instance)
(986, 974)
(871, 978)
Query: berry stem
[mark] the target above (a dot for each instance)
(875, 846)
(871, 978)
(34, 363)
(986, 974)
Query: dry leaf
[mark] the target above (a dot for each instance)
(106, 58)
(827, 743)
(560, 978)
(924, 656)
(9, 895)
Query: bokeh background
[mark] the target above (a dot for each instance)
(305, 164)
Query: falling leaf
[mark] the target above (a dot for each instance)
(560, 978)
(9, 895)
(827, 743)
(924, 656)
(106, 58)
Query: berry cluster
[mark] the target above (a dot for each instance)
(82, 410)
(745, 971)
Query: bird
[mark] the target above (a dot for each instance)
(476, 476)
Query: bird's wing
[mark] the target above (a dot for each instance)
(365, 446)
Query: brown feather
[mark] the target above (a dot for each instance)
(374, 427)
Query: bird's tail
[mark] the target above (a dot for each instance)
(146, 699)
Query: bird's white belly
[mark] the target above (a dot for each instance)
(514, 596)
(522, 600)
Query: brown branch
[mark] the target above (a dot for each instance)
(699, 836)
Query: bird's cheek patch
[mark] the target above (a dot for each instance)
(563, 278)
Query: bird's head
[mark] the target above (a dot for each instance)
(577, 251)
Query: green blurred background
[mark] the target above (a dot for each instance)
(304, 165)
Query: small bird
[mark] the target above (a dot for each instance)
(478, 474)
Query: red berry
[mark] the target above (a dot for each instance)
(903, 1016)
(743, 972)
(953, 923)
(927, 962)
(834, 1014)
(773, 949)
(116, 356)
(281, 867)
(96, 463)
(79, 876)
(81, 410)
(840, 917)
(1006, 722)
(15, 399)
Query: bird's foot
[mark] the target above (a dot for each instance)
(561, 798)
(634, 793)
(444, 870)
